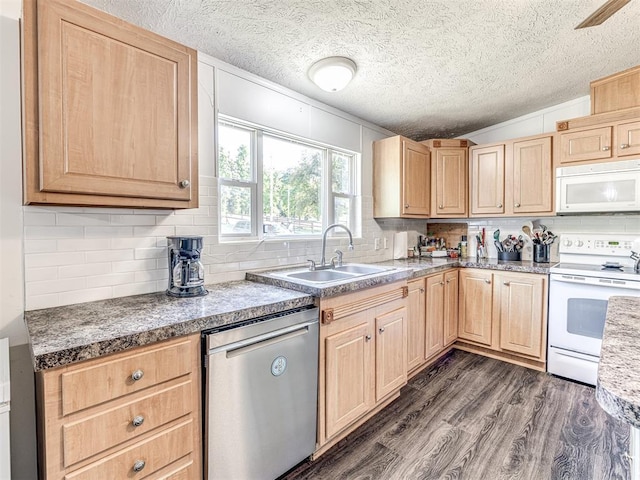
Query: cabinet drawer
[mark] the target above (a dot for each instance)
(106, 380)
(156, 452)
(116, 425)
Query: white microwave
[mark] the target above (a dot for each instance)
(596, 188)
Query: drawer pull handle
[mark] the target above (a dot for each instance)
(137, 420)
(137, 375)
(138, 466)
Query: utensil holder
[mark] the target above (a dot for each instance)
(511, 256)
(541, 253)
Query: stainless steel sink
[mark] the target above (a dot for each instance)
(326, 275)
(319, 275)
(360, 269)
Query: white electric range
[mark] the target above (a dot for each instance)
(592, 268)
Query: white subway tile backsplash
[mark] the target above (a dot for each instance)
(110, 280)
(134, 265)
(157, 231)
(144, 253)
(133, 242)
(175, 220)
(54, 286)
(39, 274)
(40, 246)
(53, 259)
(108, 231)
(82, 244)
(109, 256)
(87, 295)
(83, 219)
(37, 218)
(132, 219)
(134, 289)
(150, 275)
(84, 270)
(36, 302)
(49, 232)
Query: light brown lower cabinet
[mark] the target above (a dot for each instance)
(504, 315)
(363, 357)
(433, 317)
(134, 414)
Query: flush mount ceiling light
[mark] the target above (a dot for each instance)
(332, 73)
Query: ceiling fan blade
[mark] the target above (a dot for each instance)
(600, 15)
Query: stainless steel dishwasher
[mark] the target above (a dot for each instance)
(261, 396)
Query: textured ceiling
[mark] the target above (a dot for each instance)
(426, 69)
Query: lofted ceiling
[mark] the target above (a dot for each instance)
(426, 69)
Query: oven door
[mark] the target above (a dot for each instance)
(577, 310)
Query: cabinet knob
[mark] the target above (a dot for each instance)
(499, 205)
(448, 280)
(367, 338)
(381, 329)
(440, 206)
(406, 205)
(517, 205)
(506, 283)
(421, 290)
(138, 465)
(488, 281)
(624, 145)
(184, 184)
(441, 283)
(137, 420)
(137, 375)
(606, 148)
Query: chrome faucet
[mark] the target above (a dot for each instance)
(324, 240)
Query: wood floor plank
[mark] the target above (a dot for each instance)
(475, 418)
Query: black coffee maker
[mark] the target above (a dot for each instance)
(186, 272)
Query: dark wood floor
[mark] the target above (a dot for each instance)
(471, 417)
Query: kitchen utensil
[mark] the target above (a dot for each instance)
(527, 230)
(498, 246)
(496, 235)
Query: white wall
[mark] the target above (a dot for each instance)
(542, 121)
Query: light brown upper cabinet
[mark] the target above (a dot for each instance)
(512, 178)
(605, 137)
(401, 178)
(619, 91)
(449, 177)
(110, 111)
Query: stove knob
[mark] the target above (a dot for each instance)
(579, 243)
(567, 243)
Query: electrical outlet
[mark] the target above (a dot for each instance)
(385, 243)
(376, 243)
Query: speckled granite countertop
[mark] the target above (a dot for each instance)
(618, 386)
(409, 268)
(64, 335)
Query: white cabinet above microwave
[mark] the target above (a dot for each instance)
(597, 188)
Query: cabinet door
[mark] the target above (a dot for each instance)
(450, 307)
(348, 369)
(487, 180)
(449, 182)
(391, 352)
(435, 315)
(521, 310)
(532, 177)
(628, 135)
(475, 320)
(117, 108)
(415, 324)
(592, 144)
(416, 174)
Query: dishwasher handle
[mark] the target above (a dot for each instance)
(249, 342)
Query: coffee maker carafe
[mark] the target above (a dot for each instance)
(186, 273)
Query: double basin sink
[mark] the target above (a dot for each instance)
(343, 272)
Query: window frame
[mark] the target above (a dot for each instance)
(327, 214)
